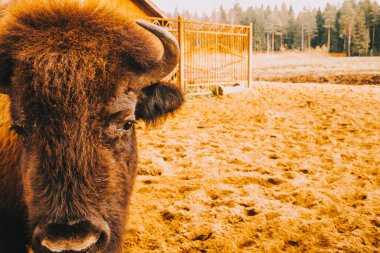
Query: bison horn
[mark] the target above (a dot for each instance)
(170, 57)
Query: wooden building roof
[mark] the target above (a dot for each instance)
(142, 8)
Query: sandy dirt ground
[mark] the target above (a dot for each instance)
(316, 68)
(284, 168)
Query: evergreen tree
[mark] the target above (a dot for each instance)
(214, 16)
(330, 18)
(273, 26)
(347, 22)
(365, 8)
(267, 15)
(360, 37)
(236, 14)
(205, 18)
(186, 15)
(310, 26)
(301, 20)
(195, 16)
(259, 36)
(337, 39)
(353, 28)
(291, 31)
(284, 16)
(222, 15)
(176, 13)
(248, 16)
(319, 39)
(375, 40)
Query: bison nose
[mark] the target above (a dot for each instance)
(80, 236)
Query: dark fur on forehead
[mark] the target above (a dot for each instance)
(63, 40)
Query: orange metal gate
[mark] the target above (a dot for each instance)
(211, 54)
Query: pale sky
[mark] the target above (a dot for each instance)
(206, 6)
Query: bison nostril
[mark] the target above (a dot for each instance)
(78, 237)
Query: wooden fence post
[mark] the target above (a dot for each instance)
(250, 55)
(181, 36)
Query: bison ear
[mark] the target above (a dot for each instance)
(5, 72)
(157, 101)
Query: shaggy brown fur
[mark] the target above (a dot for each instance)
(69, 69)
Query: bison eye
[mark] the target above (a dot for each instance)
(19, 129)
(129, 125)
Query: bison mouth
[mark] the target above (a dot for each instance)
(80, 237)
(76, 244)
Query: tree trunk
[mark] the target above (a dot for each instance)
(308, 40)
(373, 38)
(272, 41)
(303, 39)
(329, 40)
(345, 44)
(349, 41)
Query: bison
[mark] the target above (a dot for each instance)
(75, 78)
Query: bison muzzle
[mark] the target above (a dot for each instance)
(75, 77)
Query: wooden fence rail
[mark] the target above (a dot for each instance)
(211, 54)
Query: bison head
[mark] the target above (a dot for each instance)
(79, 76)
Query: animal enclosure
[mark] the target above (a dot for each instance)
(300, 175)
(211, 54)
(282, 168)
